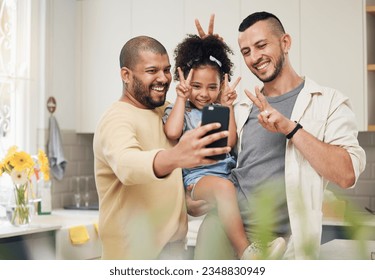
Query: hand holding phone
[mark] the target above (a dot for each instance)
(220, 114)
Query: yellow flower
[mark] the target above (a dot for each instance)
(21, 161)
(6, 164)
(11, 151)
(1, 168)
(19, 164)
(44, 164)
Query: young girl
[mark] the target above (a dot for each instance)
(207, 68)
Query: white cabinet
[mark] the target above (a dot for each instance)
(104, 27)
(332, 49)
(370, 61)
(162, 20)
(103, 30)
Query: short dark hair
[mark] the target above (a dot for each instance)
(130, 51)
(276, 24)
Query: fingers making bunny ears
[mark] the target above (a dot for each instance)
(210, 30)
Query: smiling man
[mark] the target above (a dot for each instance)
(142, 212)
(294, 137)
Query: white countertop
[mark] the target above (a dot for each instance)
(342, 249)
(62, 219)
(8, 230)
(58, 219)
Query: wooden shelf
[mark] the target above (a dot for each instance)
(371, 127)
(371, 67)
(370, 9)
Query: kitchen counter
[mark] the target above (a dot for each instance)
(47, 237)
(334, 228)
(56, 220)
(341, 249)
(7, 230)
(51, 232)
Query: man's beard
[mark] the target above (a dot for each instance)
(143, 96)
(276, 72)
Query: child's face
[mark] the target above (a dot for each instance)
(205, 85)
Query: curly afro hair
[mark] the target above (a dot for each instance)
(194, 52)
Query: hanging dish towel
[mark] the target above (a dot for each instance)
(55, 150)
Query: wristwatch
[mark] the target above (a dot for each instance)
(290, 135)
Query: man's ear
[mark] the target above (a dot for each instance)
(286, 42)
(125, 74)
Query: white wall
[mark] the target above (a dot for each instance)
(64, 78)
(63, 27)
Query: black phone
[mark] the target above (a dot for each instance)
(216, 113)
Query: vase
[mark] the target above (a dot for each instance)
(19, 213)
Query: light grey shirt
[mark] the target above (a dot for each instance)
(261, 164)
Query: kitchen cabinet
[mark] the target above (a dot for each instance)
(103, 27)
(370, 44)
(32, 246)
(332, 49)
(36, 241)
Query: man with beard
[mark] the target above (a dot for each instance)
(297, 137)
(142, 211)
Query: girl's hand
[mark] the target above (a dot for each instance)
(228, 93)
(183, 89)
(210, 31)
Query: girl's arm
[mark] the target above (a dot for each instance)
(174, 124)
(227, 98)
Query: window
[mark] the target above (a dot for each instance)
(14, 73)
(15, 111)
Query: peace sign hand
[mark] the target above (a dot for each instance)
(270, 118)
(183, 89)
(228, 94)
(210, 31)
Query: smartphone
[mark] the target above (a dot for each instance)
(220, 114)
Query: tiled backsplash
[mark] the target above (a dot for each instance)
(80, 162)
(363, 195)
(79, 155)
